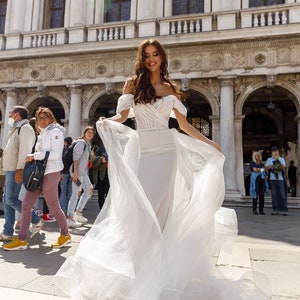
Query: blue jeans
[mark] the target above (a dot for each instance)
(12, 203)
(279, 198)
(65, 191)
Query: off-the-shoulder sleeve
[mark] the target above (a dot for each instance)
(126, 102)
(179, 106)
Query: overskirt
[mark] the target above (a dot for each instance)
(142, 249)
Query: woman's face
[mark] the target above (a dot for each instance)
(89, 135)
(257, 157)
(43, 120)
(152, 59)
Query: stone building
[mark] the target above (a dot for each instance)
(237, 60)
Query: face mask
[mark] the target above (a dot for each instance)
(11, 121)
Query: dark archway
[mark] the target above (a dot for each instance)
(50, 102)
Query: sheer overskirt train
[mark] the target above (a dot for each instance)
(157, 243)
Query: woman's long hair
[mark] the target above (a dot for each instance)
(144, 90)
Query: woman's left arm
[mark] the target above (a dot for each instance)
(192, 131)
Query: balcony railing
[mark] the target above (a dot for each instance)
(280, 15)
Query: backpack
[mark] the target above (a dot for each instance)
(67, 157)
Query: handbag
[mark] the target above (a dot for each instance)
(33, 173)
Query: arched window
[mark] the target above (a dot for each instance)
(257, 3)
(3, 6)
(117, 10)
(54, 14)
(185, 7)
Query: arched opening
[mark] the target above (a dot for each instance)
(51, 103)
(198, 112)
(269, 121)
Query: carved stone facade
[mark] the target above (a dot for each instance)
(227, 69)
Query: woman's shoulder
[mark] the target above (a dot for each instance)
(129, 87)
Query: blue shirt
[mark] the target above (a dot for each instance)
(269, 163)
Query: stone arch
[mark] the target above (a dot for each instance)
(210, 98)
(285, 86)
(31, 98)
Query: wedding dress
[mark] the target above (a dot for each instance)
(162, 221)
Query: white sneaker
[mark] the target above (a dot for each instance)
(80, 218)
(36, 228)
(4, 237)
(73, 224)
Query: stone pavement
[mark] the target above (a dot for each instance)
(268, 244)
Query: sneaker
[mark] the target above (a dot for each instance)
(73, 224)
(262, 213)
(274, 213)
(78, 217)
(285, 213)
(62, 241)
(36, 228)
(48, 218)
(255, 212)
(4, 237)
(15, 244)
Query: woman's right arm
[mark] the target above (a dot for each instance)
(122, 116)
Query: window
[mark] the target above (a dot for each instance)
(257, 3)
(54, 14)
(3, 6)
(185, 7)
(117, 10)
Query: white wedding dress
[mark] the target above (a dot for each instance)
(162, 221)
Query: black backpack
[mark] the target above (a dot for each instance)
(67, 157)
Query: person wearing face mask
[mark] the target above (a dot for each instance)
(20, 141)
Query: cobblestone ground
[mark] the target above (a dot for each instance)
(268, 244)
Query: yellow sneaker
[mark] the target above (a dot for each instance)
(15, 244)
(62, 241)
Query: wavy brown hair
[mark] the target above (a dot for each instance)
(144, 90)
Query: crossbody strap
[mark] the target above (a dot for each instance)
(45, 160)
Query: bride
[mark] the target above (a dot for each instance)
(162, 221)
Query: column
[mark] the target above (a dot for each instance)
(11, 100)
(227, 136)
(239, 154)
(75, 111)
(215, 128)
(18, 18)
(78, 13)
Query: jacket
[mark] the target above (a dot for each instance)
(81, 153)
(20, 141)
(50, 139)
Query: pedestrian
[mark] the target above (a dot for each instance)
(276, 166)
(292, 176)
(154, 237)
(21, 139)
(258, 183)
(66, 180)
(50, 139)
(80, 178)
(100, 174)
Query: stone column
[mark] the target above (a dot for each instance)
(239, 154)
(227, 136)
(11, 100)
(215, 130)
(75, 111)
(77, 13)
(18, 15)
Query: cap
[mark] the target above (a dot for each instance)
(274, 148)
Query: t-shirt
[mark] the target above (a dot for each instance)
(270, 162)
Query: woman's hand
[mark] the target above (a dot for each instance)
(29, 158)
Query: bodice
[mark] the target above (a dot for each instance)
(151, 116)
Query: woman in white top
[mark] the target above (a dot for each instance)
(50, 139)
(155, 236)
